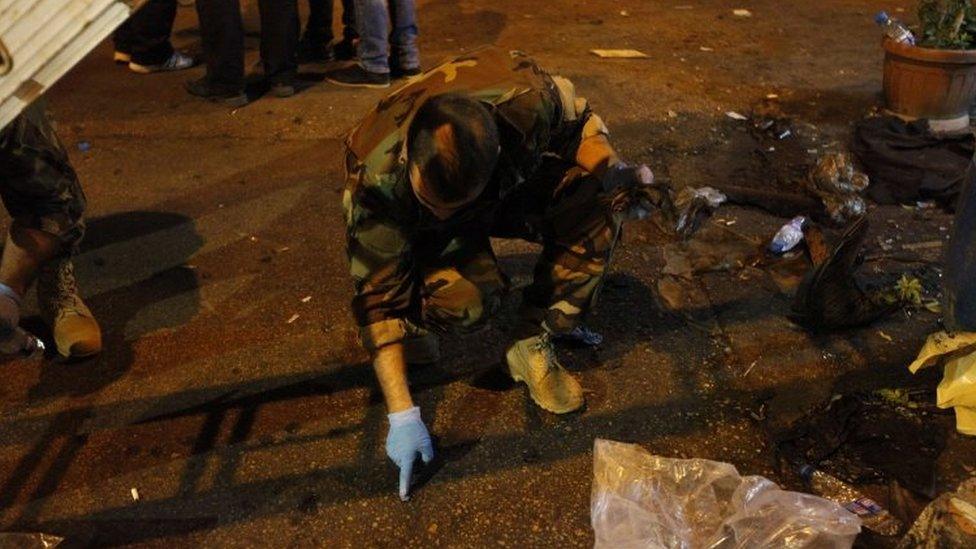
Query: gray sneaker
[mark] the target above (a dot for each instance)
(176, 62)
(534, 361)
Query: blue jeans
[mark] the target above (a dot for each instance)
(373, 17)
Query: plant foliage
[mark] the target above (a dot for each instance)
(947, 24)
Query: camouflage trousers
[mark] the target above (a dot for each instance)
(561, 208)
(38, 186)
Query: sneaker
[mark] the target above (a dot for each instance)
(122, 58)
(281, 89)
(422, 348)
(534, 362)
(76, 332)
(356, 76)
(176, 62)
(202, 88)
(406, 73)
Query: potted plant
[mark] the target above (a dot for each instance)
(935, 78)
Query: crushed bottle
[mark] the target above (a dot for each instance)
(873, 516)
(788, 236)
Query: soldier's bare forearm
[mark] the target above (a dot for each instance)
(596, 154)
(391, 372)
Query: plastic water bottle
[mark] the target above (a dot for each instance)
(788, 236)
(894, 29)
(873, 516)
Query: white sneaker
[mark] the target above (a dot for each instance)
(121, 58)
(176, 62)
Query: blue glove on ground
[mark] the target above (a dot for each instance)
(408, 436)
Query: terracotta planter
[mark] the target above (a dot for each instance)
(928, 83)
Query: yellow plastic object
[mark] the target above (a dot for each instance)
(958, 387)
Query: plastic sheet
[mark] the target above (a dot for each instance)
(958, 387)
(642, 500)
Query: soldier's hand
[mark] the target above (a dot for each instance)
(408, 437)
(633, 190)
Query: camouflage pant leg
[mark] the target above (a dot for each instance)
(38, 186)
(578, 233)
(462, 287)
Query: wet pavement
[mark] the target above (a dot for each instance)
(232, 395)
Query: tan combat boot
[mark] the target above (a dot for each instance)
(76, 332)
(534, 361)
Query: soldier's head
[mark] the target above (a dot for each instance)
(452, 145)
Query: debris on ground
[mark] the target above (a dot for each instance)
(619, 54)
(958, 387)
(788, 236)
(907, 162)
(643, 500)
(693, 206)
(949, 521)
(17, 540)
(741, 13)
(869, 439)
(836, 182)
(581, 335)
(736, 116)
(830, 296)
(874, 517)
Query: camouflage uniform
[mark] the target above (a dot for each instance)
(413, 271)
(37, 183)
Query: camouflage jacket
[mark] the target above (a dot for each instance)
(537, 114)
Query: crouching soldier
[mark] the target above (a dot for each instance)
(42, 194)
(485, 145)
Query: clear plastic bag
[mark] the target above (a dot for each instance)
(642, 500)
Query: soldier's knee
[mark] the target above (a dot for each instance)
(458, 305)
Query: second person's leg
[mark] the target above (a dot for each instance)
(279, 43)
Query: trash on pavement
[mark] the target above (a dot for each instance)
(894, 29)
(869, 439)
(643, 500)
(839, 186)
(958, 387)
(693, 206)
(16, 540)
(741, 13)
(582, 335)
(830, 296)
(907, 162)
(788, 236)
(84, 146)
(873, 516)
(619, 54)
(736, 116)
(134, 492)
(949, 521)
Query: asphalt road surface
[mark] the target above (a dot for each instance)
(232, 395)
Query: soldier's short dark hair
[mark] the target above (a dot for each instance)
(453, 141)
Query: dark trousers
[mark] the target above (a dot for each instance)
(222, 33)
(145, 36)
(318, 28)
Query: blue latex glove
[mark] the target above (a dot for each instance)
(408, 436)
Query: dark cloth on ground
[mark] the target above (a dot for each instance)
(906, 162)
(38, 186)
(865, 439)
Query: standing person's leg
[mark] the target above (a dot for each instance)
(345, 49)
(222, 36)
(405, 58)
(317, 38)
(373, 69)
(279, 43)
(149, 31)
(122, 38)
